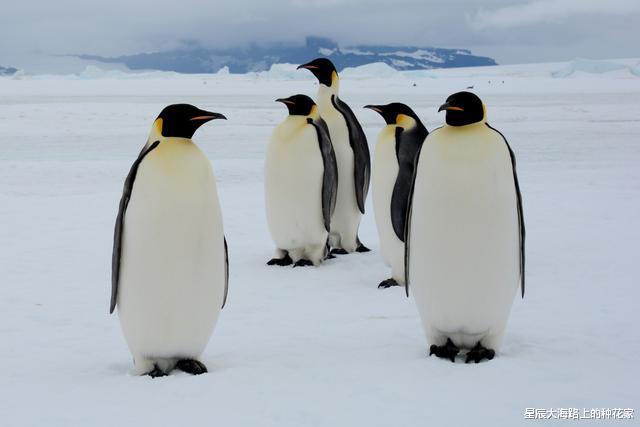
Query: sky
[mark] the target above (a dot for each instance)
(510, 31)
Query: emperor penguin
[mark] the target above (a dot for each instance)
(170, 265)
(352, 154)
(394, 161)
(465, 251)
(301, 182)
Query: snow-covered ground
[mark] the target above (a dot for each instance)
(316, 346)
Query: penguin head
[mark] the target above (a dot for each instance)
(397, 114)
(463, 108)
(182, 120)
(323, 69)
(299, 105)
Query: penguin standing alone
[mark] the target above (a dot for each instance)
(396, 153)
(170, 264)
(301, 181)
(352, 154)
(465, 236)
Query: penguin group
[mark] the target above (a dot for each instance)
(447, 207)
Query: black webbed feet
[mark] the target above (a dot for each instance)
(447, 351)
(282, 262)
(156, 372)
(362, 248)
(479, 352)
(387, 284)
(338, 251)
(191, 366)
(303, 263)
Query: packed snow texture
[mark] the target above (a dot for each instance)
(316, 346)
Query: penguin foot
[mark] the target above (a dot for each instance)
(282, 262)
(191, 366)
(362, 248)
(338, 251)
(447, 351)
(303, 263)
(387, 284)
(156, 372)
(479, 352)
(330, 256)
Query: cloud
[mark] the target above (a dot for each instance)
(522, 30)
(548, 11)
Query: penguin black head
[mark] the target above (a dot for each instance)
(182, 120)
(463, 108)
(298, 105)
(392, 113)
(323, 69)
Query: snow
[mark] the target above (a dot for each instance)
(417, 54)
(315, 346)
(592, 67)
(326, 51)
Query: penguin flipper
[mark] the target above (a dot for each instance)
(521, 226)
(226, 272)
(407, 230)
(408, 145)
(119, 227)
(361, 156)
(330, 174)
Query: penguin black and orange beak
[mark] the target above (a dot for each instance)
(308, 66)
(376, 108)
(205, 116)
(286, 100)
(449, 107)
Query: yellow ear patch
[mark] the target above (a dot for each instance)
(334, 77)
(405, 121)
(157, 125)
(314, 112)
(484, 111)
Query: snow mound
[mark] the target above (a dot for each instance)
(591, 66)
(374, 70)
(92, 72)
(286, 72)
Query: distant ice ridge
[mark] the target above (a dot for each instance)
(591, 66)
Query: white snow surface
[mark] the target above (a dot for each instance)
(315, 346)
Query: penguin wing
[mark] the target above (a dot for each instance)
(117, 235)
(407, 228)
(519, 206)
(358, 142)
(226, 272)
(408, 145)
(330, 174)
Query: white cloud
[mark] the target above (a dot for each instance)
(547, 11)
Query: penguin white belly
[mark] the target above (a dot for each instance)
(346, 217)
(384, 174)
(464, 265)
(173, 262)
(293, 188)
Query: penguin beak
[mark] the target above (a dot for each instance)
(307, 66)
(285, 101)
(449, 107)
(375, 108)
(205, 116)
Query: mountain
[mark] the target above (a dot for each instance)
(196, 59)
(7, 71)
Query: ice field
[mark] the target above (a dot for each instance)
(317, 346)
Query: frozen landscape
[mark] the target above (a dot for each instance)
(317, 346)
